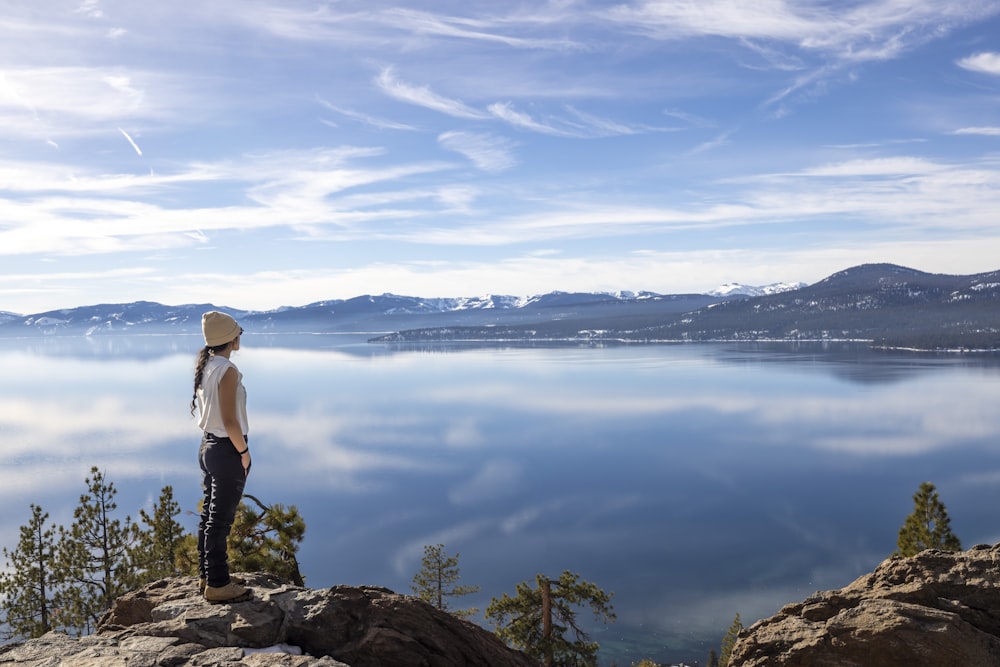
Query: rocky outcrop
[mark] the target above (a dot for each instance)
(169, 624)
(936, 608)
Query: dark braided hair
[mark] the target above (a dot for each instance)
(199, 369)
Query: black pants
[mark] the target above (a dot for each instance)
(222, 484)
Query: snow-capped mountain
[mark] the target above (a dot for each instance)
(738, 289)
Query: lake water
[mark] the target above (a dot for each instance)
(693, 481)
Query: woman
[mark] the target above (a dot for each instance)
(224, 455)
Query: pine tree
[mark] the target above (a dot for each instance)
(26, 584)
(729, 641)
(187, 555)
(436, 580)
(262, 540)
(713, 659)
(155, 553)
(541, 621)
(928, 526)
(92, 557)
(267, 540)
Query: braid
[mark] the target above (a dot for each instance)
(199, 370)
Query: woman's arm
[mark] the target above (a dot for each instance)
(227, 406)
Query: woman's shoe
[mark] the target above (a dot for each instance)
(203, 583)
(231, 592)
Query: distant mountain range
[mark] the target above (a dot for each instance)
(889, 305)
(362, 314)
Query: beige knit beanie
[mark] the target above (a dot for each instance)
(218, 328)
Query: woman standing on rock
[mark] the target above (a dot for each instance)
(224, 456)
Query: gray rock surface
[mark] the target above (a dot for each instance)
(169, 624)
(936, 608)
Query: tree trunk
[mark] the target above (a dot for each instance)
(546, 587)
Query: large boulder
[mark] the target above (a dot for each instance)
(169, 624)
(936, 608)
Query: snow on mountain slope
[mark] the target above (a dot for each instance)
(733, 289)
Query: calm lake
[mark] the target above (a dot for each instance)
(694, 481)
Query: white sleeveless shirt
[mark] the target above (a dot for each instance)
(208, 397)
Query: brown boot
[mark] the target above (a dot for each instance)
(231, 592)
(203, 583)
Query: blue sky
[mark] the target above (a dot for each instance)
(259, 153)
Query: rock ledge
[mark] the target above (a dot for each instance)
(169, 624)
(936, 608)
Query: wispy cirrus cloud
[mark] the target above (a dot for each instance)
(689, 118)
(367, 119)
(986, 63)
(367, 23)
(311, 23)
(423, 96)
(863, 31)
(91, 9)
(900, 166)
(817, 41)
(771, 19)
(718, 141)
(605, 127)
(981, 131)
(488, 152)
(71, 101)
(131, 142)
(34, 177)
(506, 112)
(486, 29)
